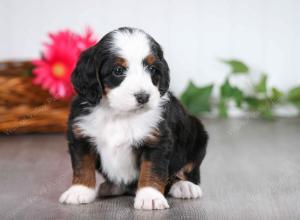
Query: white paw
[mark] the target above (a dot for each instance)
(78, 194)
(149, 198)
(185, 190)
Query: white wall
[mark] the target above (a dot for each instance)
(194, 33)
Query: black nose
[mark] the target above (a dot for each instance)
(142, 97)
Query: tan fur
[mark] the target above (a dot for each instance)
(181, 174)
(153, 137)
(122, 62)
(150, 59)
(77, 131)
(148, 178)
(85, 174)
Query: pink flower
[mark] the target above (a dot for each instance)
(54, 69)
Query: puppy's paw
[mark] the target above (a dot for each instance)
(148, 198)
(185, 190)
(78, 194)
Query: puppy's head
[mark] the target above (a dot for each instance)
(126, 68)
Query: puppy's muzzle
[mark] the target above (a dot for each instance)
(142, 98)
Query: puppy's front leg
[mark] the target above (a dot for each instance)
(153, 179)
(84, 179)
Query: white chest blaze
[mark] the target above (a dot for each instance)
(115, 137)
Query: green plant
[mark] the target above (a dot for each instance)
(294, 96)
(261, 99)
(229, 92)
(197, 99)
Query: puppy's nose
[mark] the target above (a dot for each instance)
(142, 97)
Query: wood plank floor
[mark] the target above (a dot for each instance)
(252, 171)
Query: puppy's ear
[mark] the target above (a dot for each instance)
(164, 81)
(85, 77)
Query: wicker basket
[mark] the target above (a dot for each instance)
(24, 107)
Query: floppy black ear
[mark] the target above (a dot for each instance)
(85, 77)
(164, 81)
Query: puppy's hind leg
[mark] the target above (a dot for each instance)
(187, 183)
(187, 180)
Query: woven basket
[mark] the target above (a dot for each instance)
(24, 107)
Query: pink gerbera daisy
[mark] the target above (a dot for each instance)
(54, 69)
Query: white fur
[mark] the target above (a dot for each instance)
(149, 198)
(78, 194)
(185, 190)
(132, 46)
(114, 135)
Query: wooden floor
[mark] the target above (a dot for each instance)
(252, 171)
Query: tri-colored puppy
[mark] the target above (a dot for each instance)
(125, 124)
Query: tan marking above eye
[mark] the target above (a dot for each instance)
(150, 59)
(122, 62)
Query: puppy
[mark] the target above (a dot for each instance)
(125, 124)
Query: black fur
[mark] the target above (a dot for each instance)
(87, 85)
(182, 137)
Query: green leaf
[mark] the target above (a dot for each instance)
(223, 109)
(238, 96)
(188, 93)
(294, 96)
(225, 89)
(276, 95)
(297, 104)
(229, 91)
(252, 102)
(261, 87)
(262, 106)
(265, 110)
(237, 67)
(197, 99)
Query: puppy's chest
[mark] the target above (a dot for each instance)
(116, 139)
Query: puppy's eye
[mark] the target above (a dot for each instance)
(119, 71)
(152, 69)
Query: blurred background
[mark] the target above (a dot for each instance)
(195, 34)
(227, 57)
